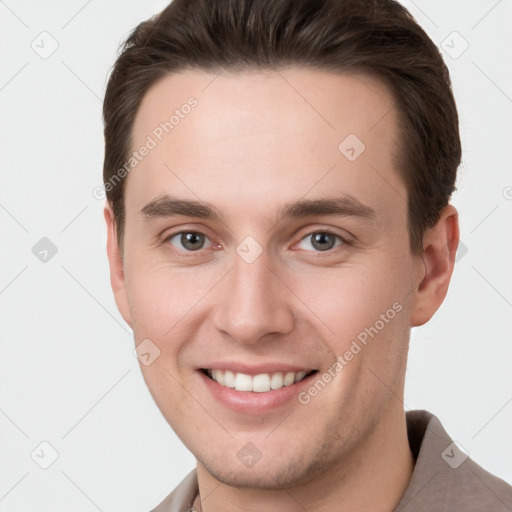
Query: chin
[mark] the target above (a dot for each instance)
(262, 479)
(275, 474)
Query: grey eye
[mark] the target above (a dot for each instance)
(189, 240)
(321, 241)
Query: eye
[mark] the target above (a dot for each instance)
(321, 241)
(188, 240)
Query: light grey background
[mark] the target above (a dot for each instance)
(68, 374)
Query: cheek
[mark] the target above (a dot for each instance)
(170, 395)
(161, 297)
(350, 299)
(367, 334)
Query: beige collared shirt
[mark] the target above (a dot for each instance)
(444, 478)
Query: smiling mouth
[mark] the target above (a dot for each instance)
(260, 383)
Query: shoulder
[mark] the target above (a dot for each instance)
(445, 478)
(182, 497)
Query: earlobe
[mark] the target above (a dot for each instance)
(439, 248)
(117, 277)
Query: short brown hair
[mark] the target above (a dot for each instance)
(376, 37)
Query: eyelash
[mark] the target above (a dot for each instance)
(187, 254)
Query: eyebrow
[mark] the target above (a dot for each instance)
(167, 206)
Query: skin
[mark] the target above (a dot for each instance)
(251, 145)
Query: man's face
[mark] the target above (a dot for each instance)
(252, 291)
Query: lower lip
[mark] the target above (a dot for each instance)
(251, 402)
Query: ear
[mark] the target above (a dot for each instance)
(117, 280)
(438, 258)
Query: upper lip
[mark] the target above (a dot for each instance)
(255, 369)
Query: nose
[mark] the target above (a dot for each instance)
(253, 302)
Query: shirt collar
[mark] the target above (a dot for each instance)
(444, 477)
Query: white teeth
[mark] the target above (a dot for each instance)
(289, 379)
(300, 376)
(258, 383)
(218, 375)
(243, 382)
(229, 379)
(261, 383)
(276, 381)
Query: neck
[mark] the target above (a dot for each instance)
(374, 477)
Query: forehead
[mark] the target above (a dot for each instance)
(294, 130)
